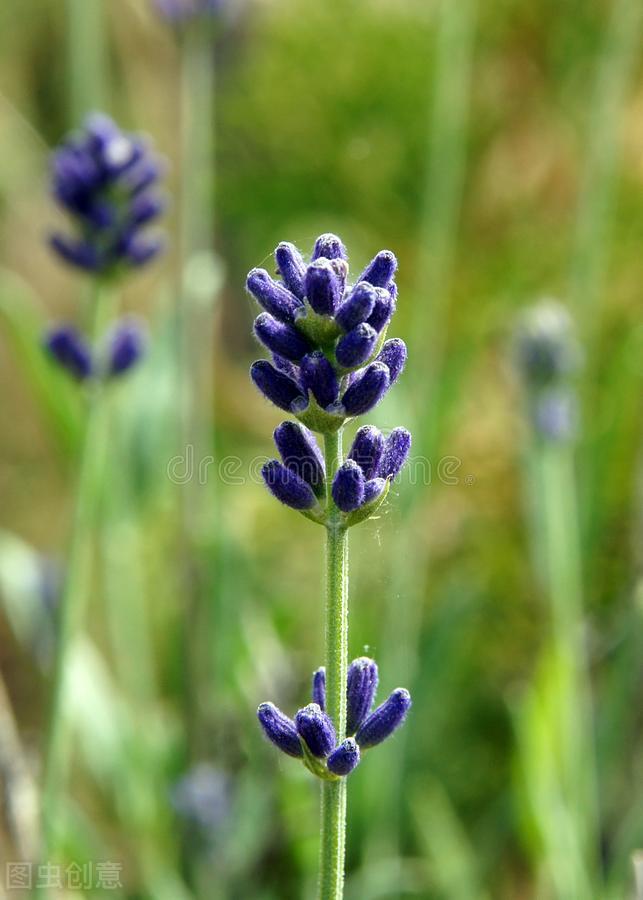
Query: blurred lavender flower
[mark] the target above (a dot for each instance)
(119, 352)
(202, 798)
(548, 355)
(106, 181)
(180, 11)
(311, 735)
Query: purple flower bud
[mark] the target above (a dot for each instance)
(301, 454)
(330, 247)
(357, 307)
(126, 346)
(322, 287)
(279, 729)
(79, 253)
(355, 347)
(396, 451)
(344, 758)
(314, 726)
(319, 688)
(273, 296)
(318, 376)
(380, 271)
(292, 268)
(348, 486)
(383, 309)
(70, 350)
(393, 354)
(372, 489)
(276, 386)
(280, 338)
(384, 720)
(360, 691)
(287, 486)
(366, 449)
(366, 389)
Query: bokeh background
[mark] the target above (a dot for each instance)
(497, 149)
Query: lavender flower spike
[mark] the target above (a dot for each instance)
(288, 487)
(344, 758)
(319, 688)
(314, 726)
(384, 720)
(279, 729)
(360, 691)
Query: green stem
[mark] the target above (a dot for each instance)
(86, 57)
(333, 793)
(573, 725)
(73, 599)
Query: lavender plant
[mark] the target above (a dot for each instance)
(548, 357)
(106, 181)
(331, 362)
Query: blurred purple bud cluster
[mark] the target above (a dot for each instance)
(548, 356)
(180, 11)
(106, 180)
(117, 353)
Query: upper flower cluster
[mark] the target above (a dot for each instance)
(548, 356)
(311, 736)
(330, 362)
(106, 180)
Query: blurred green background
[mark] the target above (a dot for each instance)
(497, 149)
